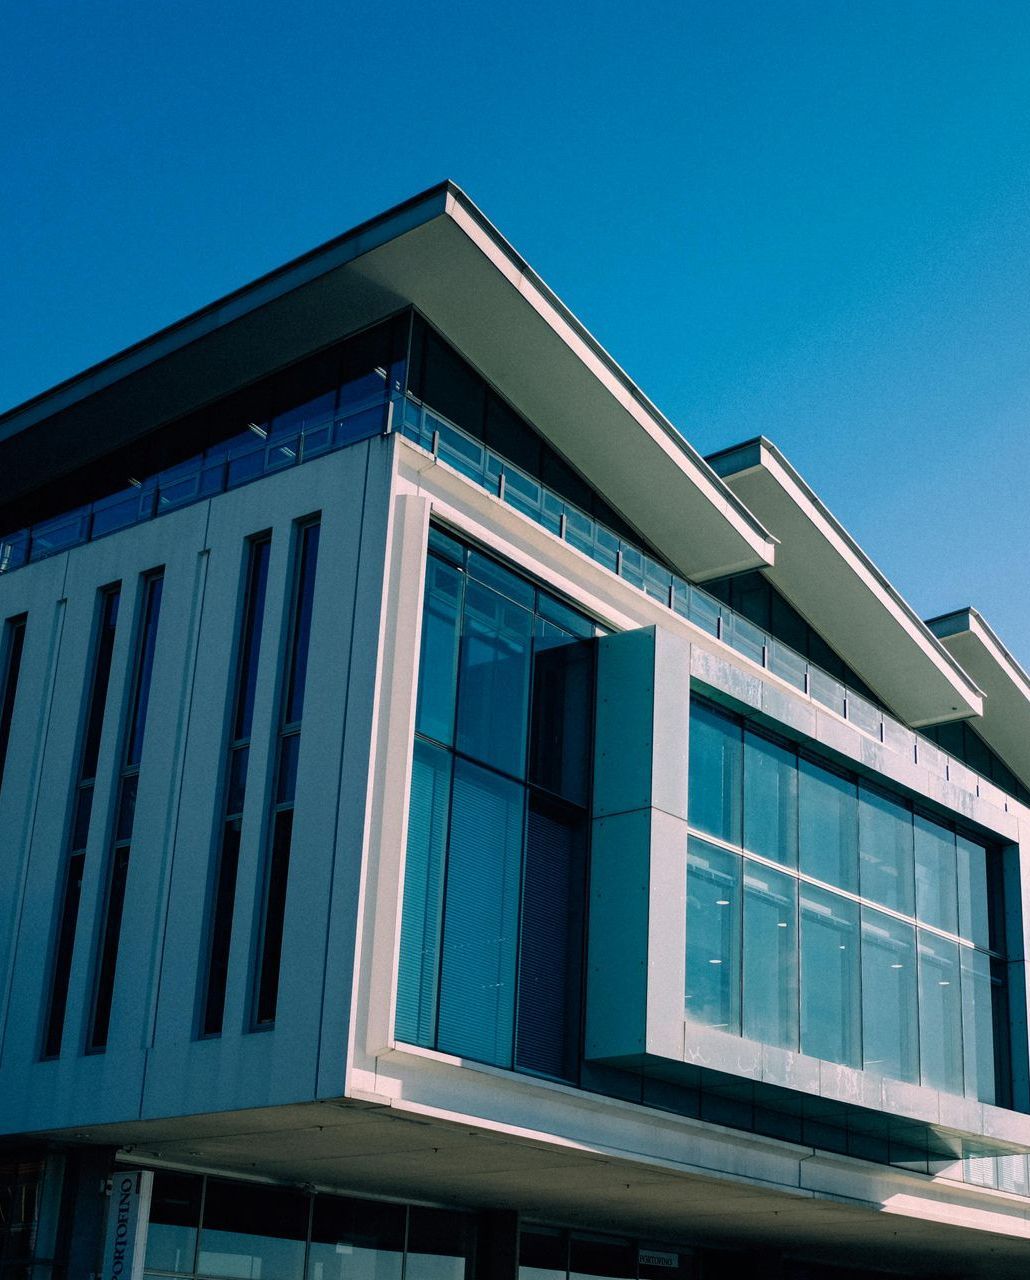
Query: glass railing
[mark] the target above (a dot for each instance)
(518, 489)
(256, 452)
(260, 451)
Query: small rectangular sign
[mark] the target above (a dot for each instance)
(128, 1213)
(658, 1258)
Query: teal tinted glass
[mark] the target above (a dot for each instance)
(438, 665)
(936, 879)
(481, 909)
(977, 1025)
(770, 956)
(890, 1041)
(428, 817)
(830, 977)
(940, 1013)
(828, 807)
(713, 936)
(973, 913)
(716, 759)
(562, 713)
(886, 871)
(770, 799)
(493, 681)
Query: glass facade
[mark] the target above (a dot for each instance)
(826, 915)
(492, 923)
(217, 1229)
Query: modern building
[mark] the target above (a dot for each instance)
(452, 829)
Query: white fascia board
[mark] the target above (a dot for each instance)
(827, 576)
(1005, 723)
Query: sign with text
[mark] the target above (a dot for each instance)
(128, 1212)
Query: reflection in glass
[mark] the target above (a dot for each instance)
(481, 911)
(770, 956)
(830, 984)
(977, 1025)
(770, 799)
(439, 1243)
(713, 936)
(174, 1218)
(829, 826)
(973, 916)
(355, 1240)
(590, 1258)
(560, 756)
(439, 661)
(543, 1254)
(889, 1007)
(252, 1231)
(940, 1013)
(936, 884)
(423, 893)
(714, 793)
(493, 682)
(885, 851)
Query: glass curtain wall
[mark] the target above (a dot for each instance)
(492, 923)
(221, 1230)
(827, 915)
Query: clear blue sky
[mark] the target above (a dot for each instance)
(810, 220)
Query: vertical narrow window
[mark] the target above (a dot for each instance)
(830, 982)
(770, 799)
(829, 826)
(81, 809)
(889, 1018)
(125, 810)
(223, 901)
(11, 659)
(291, 711)
(940, 1013)
(716, 761)
(770, 956)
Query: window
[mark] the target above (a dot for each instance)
(492, 921)
(10, 665)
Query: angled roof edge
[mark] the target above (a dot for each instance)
(767, 481)
(1005, 724)
(717, 532)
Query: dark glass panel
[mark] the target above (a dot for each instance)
(126, 807)
(174, 1220)
(236, 788)
(713, 936)
(556, 473)
(448, 548)
(63, 956)
(508, 435)
(451, 387)
(770, 956)
(480, 931)
(275, 915)
(355, 1240)
(307, 559)
(221, 929)
(493, 681)
(289, 754)
(828, 826)
(716, 756)
(253, 1231)
(80, 821)
(978, 1025)
(428, 816)
(886, 866)
(890, 1041)
(543, 1254)
(770, 799)
(440, 1244)
(144, 670)
(830, 977)
(250, 644)
(501, 580)
(438, 664)
(101, 676)
(562, 711)
(973, 901)
(940, 1013)
(601, 1257)
(563, 616)
(109, 947)
(12, 668)
(551, 930)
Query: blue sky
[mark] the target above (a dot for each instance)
(810, 220)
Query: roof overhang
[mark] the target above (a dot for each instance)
(1005, 724)
(438, 252)
(830, 580)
